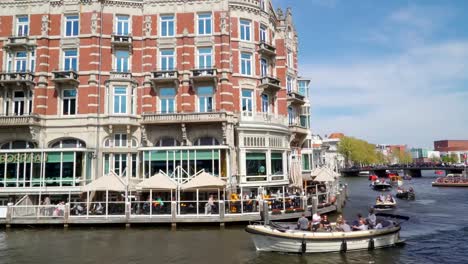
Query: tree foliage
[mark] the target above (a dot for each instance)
(359, 151)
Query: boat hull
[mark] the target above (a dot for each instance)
(439, 184)
(406, 196)
(265, 241)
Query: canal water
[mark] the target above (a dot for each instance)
(436, 233)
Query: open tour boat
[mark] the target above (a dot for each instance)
(285, 238)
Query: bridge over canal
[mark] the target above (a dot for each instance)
(413, 171)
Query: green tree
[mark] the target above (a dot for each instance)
(358, 151)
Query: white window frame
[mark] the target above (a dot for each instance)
(252, 102)
(119, 141)
(64, 98)
(267, 110)
(163, 97)
(243, 28)
(24, 26)
(120, 23)
(213, 105)
(203, 31)
(23, 60)
(129, 60)
(120, 100)
(167, 57)
(161, 21)
(246, 61)
(73, 21)
(264, 67)
(290, 62)
(205, 58)
(263, 33)
(71, 58)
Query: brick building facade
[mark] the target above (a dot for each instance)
(136, 87)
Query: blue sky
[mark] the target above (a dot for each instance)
(390, 72)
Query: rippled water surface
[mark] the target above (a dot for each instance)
(436, 233)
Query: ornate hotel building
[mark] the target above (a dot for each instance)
(136, 87)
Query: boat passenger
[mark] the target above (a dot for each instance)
(303, 223)
(378, 225)
(324, 223)
(411, 190)
(371, 218)
(361, 226)
(343, 226)
(389, 199)
(315, 221)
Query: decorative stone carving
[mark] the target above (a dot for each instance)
(35, 133)
(224, 128)
(279, 12)
(94, 23)
(224, 23)
(45, 25)
(147, 28)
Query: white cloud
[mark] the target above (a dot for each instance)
(415, 97)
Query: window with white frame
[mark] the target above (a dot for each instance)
(120, 140)
(69, 102)
(204, 58)
(204, 24)
(264, 67)
(289, 84)
(122, 25)
(32, 61)
(72, 25)
(167, 25)
(246, 63)
(205, 99)
(290, 61)
(247, 102)
(122, 59)
(19, 104)
(167, 100)
(70, 60)
(120, 100)
(167, 58)
(245, 30)
(263, 33)
(263, 5)
(22, 26)
(291, 116)
(265, 103)
(21, 58)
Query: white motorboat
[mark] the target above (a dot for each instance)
(279, 238)
(385, 205)
(382, 186)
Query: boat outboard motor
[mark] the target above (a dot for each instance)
(344, 246)
(371, 244)
(303, 246)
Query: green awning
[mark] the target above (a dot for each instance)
(255, 156)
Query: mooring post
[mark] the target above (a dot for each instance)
(173, 215)
(265, 213)
(128, 208)
(222, 210)
(314, 205)
(66, 215)
(8, 215)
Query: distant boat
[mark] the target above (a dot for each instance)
(381, 186)
(451, 180)
(364, 174)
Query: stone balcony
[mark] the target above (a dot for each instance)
(19, 43)
(266, 49)
(165, 76)
(65, 77)
(270, 84)
(16, 79)
(121, 41)
(120, 76)
(19, 120)
(295, 98)
(296, 127)
(204, 75)
(263, 118)
(192, 117)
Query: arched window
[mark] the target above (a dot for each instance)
(206, 141)
(68, 143)
(167, 142)
(18, 144)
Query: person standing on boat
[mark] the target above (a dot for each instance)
(371, 218)
(316, 221)
(303, 223)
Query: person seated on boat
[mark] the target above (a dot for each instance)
(339, 219)
(343, 226)
(303, 223)
(389, 199)
(325, 224)
(361, 226)
(379, 224)
(316, 221)
(400, 190)
(411, 190)
(382, 197)
(371, 218)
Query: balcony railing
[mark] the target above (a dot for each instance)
(295, 98)
(296, 126)
(121, 40)
(19, 120)
(263, 118)
(120, 76)
(19, 42)
(270, 84)
(65, 76)
(17, 78)
(266, 49)
(205, 74)
(164, 76)
(198, 117)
